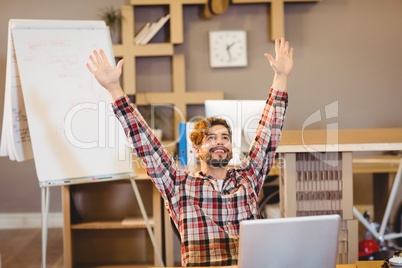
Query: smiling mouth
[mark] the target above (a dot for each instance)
(219, 150)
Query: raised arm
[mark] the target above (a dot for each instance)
(106, 75)
(161, 166)
(262, 150)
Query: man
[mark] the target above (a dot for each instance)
(207, 206)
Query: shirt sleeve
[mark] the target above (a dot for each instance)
(261, 154)
(161, 167)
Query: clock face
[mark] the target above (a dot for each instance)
(227, 48)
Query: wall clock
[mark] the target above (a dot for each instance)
(227, 48)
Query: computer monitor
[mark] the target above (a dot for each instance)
(242, 116)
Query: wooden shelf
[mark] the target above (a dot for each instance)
(118, 266)
(267, 1)
(149, 50)
(377, 164)
(277, 14)
(136, 223)
(115, 266)
(115, 242)
(166, 2)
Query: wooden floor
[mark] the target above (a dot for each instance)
(22, 248)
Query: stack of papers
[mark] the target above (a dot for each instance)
(15, 137)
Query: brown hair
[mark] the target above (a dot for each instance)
(202, 127)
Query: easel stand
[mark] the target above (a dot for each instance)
(45, 212)
(144, 215)
(45, 193)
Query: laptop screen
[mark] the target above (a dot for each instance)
(303, 242)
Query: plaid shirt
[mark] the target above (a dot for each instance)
(208, 219)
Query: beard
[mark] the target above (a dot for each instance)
(223, 162)
(217, 161)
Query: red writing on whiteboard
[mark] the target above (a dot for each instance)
(62, 60)
(36, 44)
(60, 43)
(66, 74)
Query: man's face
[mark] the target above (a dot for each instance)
(216, 147)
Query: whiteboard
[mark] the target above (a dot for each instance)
(74, 134)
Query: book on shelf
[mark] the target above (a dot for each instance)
(188, 159)
(182, 144)
(192, 160)
(141, 33)
(150, 31)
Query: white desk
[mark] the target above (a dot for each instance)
(316, 175)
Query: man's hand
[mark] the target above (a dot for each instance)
(106, 75)
(282, 64)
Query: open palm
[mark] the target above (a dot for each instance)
(105, 74)
(283, 62)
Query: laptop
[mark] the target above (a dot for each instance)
(302, 242)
